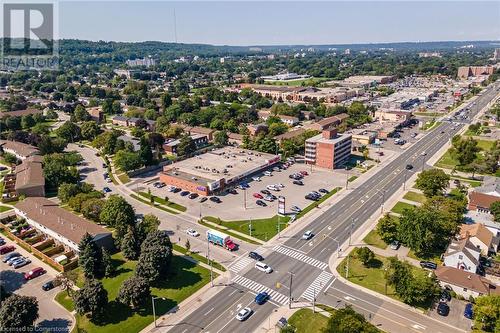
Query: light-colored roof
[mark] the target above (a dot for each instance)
(477, 230)
(59, 220)
(19, 148)
(466, 247)
(491, 186)
(464, 279)
(30, 173)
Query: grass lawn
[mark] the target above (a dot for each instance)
(473, 183)
(373, 275)
(146, 201)
(446, 161)
(66, 301)
(199, 258)
(414, 196)
(223, 230)
(352, 178)
(429, 114)
(124, 178)
(4, 209)
(186, 279)
(305, 321)
(263, 229)
(399, 207)
(162, 201)
(434, 257)
(374, 239)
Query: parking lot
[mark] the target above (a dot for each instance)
(52, 316)
(456, 315)
(242, 204)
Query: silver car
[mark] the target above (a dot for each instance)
(244, 314)
(21, 263)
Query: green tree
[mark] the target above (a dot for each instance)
(134, 292)
(221, 138)
(432, 182)
(117, 213)
(69, 131)
(18, 313)
(57, 171)
(80, 114)
(495, 210)
(27, 121)
(487, 313)
(145, 153)
(346, 320)
(130, 244)
(92, 299)
(155, 258)
(90, 130)
(92, 208)
(90, 257)
(127, 161)
(107, 263)
(387, 228)
(464, 150)
(186, 146)
(365, 255)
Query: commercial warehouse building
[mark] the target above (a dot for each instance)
(215, 170)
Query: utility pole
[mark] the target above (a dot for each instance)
(350, 232)
(290, 291)
(347, 267)
(314, 300)
(404, 183)
(346, 178)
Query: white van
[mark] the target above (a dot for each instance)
(263, 267)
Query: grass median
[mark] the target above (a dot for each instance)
(317, 203)
(162, 201)
(148, 202)
(263, 229)
(199, 258)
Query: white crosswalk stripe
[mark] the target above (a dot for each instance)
(257, 288)
(240, 264)
(318, 284)
(300, 256)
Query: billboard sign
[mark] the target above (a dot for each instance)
(281, 205)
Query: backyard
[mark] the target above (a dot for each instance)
(186, 278)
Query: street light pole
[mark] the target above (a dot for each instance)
(210, 263)
(314, 300)
(290, 291)
(350, 232)
(404, 182)
(154, 310)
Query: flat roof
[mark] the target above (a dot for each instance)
(338, 138)
(227, 162)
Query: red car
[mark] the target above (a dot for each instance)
(304, 173)
(35, 272)
(6, 249)
(257, 195)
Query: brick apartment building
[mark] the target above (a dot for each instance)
(329, 149)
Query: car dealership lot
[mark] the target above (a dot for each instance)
(52, 316)
(243, 205)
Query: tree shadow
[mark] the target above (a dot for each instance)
(115, 312)
(12, 280)
(54, 325)
(374, 263)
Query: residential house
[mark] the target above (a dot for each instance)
(480, 236)
(256, 129)
(96, 114)
(19, 149)
(326, 123)
(20, 113)
(170, 147)
(462, 254)
(60, 224)
(289, 135)
(120, 121)
(30, 181)
(464, 283)
(288, 120)
(209, 132)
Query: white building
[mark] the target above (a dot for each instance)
(462, 254)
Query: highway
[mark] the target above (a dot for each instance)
(306, 262)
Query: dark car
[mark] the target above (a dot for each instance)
(443, 309)
(215, 199)
(203, 199)
(233, 191)
(10, 256)
(409, 167)
(311, 197)
(261, 298)
(428, 265)
(255, 256)
(184, 193)
(48, 286)
(298, 182)
(176, 190)
(2, 241)
(445, 296)
(322, 190)
(6, 249)
(193, 196)
(468, 312)
(265, 192)
(261, 203)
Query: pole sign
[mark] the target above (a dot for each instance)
(281, 205)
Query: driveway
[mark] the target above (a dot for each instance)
(456, 315)
(52, 316)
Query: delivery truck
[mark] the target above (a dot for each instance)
(221, 239)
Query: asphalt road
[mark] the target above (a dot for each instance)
(307, 259)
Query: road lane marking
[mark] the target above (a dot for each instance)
(258, 288)
(212, 309)
(317, 286)
(300, 256)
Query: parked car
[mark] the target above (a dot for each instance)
(215, 199)
(469, 312)
(6, 249)
(261, 298)
(254, 255)
(13, 260)
(322, 190)
(298, 182)
(203, 199)
(2, 241)
(106, 189)
(279, 185)
(295, 209)
(176, 190)
(233, 191)
(244, 314)
(11, 255)
(276, 169)
(443, 309)
(268, 198)
(307, 235)
(21, 263)
(265, 192)
(263, 267)
(184, 193)
(261, 203)
(394, 245)
(193, 196)
(311, 197)
(304, 173)
(35, 272)
(428, 265)
(156, 184)
(445, 296)
(272, 187)
(257, 179)
(257, 195)
(268, 173)
(49, 285)
(192, 232)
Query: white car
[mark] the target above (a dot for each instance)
(192, 232)
(244, 314)
(307, 235)
(257, 179)
(279, 185)
(268, 198)
(272, 188)
(295, 209)
(263, 267)
(268, 173)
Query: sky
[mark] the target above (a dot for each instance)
(280, 22)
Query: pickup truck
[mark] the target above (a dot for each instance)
(221, 239)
